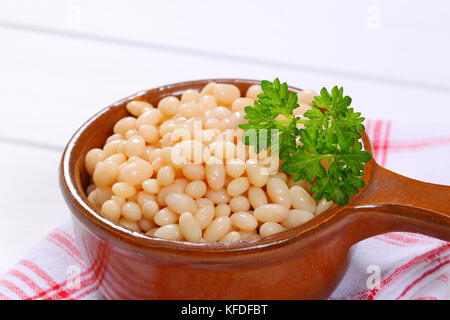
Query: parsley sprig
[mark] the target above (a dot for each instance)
(331, 137)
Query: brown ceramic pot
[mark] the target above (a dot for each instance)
(306, 262)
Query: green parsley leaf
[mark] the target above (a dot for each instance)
(326, 152)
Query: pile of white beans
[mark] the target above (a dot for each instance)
(217, 193)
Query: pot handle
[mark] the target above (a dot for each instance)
(392, 202)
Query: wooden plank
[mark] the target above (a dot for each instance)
(54, 83)
(31, 204)
(383, 40)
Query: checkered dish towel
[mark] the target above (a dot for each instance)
(390, 266)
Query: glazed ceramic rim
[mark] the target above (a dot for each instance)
(85, 210)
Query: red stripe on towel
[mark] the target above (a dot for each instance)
(400, 145)
(423, 276)
(370, 294)
(376, 138)
(68, 243)
(26, 280)
(385, 147)
(90, 273)
(44, 276)
(14, 289)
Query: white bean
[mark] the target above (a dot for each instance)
(168, 232)
(174, 188)
(145, 225)
(223, 149)
(136, 172)
(190, 95)
(93, 157)
(253, 91)
(166, 127)
(143, 197)
(113, 147)
(255, 173)
(151, 186)
(111, 210)
(180, 202)
(207, 102)
(257, 197)
(149, 132)
(296, 218)
(231, 237)
(223, 210)
(306, 96)
(189, 227)
(208, 89)
(196, 189)
(249, 235)
(166, 176)
(203, 202)
(165, 216)
(150, 116)
(215, 176)
(217, 229)
(226, 93)
(244, 221)
(125, 124)
(279, 192)
(117, 158)
(131, 211)
(181, 181)
(281, 175)
(238, 186)
(239, 203)
(149, 209)
(169, 106)
(301, 199)
(136, 107)
(105, 173)
(123, 189)
(113, 137)
(240, 103)
(271, 213)
(194, 171)
(235, 168)
(190, 109)
(323, 205)
(151, 231)
(134, 226)
(204, 216)
(270, 228)
(130, 133)
(218, 197)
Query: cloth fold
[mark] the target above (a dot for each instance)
(390, 266)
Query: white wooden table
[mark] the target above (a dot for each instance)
(61, 61)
